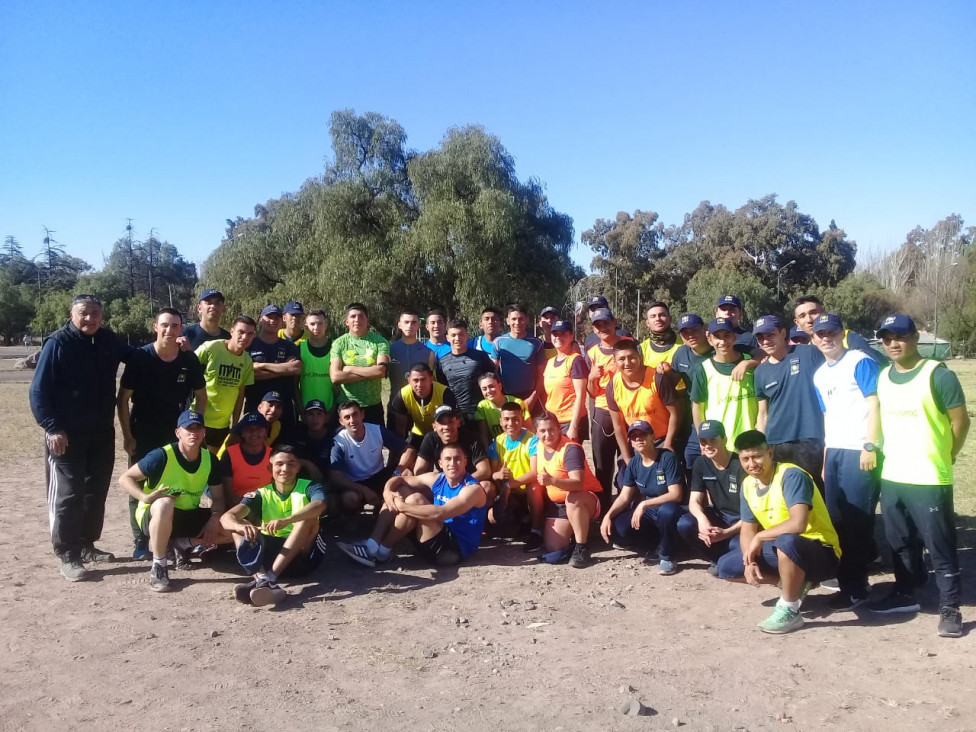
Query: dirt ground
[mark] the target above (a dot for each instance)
(503, 643)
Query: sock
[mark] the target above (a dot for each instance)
(272, 577)
(265, 577)
(159, 560)
(794, 606)
(372, 546)
(382, 552)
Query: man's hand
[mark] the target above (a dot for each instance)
(664, 367)
(636, 518)
(605, 527)
(546, 480)
(596, 372)
(573, 432)
(249, 531)
(740, 370)
(57, 443)
(183, 343)
(869, 460)
(503, 474)
(276, 525)
(211, 531)
(389, 500)
(158, 493)
(752, 574)
(752, 551)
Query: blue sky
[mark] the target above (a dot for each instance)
(182, 114)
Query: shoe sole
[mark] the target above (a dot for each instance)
(79, 578)
(161, 588)
(950, 634)
(242, 593)
(365, 561)
(894, 610)
(261, 596)
(782, 631)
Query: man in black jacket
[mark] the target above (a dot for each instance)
(72, 397)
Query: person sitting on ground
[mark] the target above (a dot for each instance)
(357, 471)
(786, 535)
(276, 530)
(646, 511)
(313, 443)
(271, 407)
(443, 511)
(573, 493)
(511, 455)
(448, 428)
(244, 465)
(712, 523)
(169, 483)
(488, 415)
(412, 408)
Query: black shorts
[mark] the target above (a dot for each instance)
(303, 564)
(187, 524)
(442, 549)
(216, 435)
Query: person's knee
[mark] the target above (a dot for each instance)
(416, 499)
(730, 566)
(688, 528)
(162, 507)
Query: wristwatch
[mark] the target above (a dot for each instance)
(869, 447)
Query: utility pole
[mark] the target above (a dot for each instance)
(132, 282)
(779, 273)
(151, 238)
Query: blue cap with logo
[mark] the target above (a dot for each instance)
(798, 334)
(718, 324)
(899, 324)
(711, 429)
(548, 310)
(729, 300)
(766, 324)
(211, 293)
(315, 404)
(250, 419)
(190, 416)
(271, 310)
(563, 326)
(641, 425)
(294, 308)
(600, 314)
(690, 320)
(598, 301)
(272, 396)
(827, 321)
(444, 411)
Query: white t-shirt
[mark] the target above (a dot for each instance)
(842, 389)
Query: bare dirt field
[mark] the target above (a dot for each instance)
(503, 643)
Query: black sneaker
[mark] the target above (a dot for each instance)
(159, 578)
(92, 555)
(182, 563)
(580, 557)
(950, 622)
(72, 569)
(533, 542)
(266, 592)
(841, 601)
(242, 592)
(896, 602)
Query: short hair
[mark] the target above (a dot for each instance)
(408, 311)
(511, 407)
(170, 311)
(457, 323)
(85, 299)
(455, 445)
(348, 404)
(516, 307)
(317, 311)
(492, 309)
(488, 375)
(626, 344)
(357, 306)
(436, 311)
(245, 319)
(750, 440)
(421, 368)
(545, 417)
(287, 449)
(658, 304)
(804, 299)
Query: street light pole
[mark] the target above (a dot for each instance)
(779, 273)
(935, 326)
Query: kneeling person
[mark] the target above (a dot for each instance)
(511, 455)
(276, 530)
(444, 512)
(169, 482)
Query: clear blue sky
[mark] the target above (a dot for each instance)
(181, 114)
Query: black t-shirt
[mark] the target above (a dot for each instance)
(722, 486)
(278, 352)
(431, 446)
(316, 449)
(196, 336)
(161, 390)
(460, 373)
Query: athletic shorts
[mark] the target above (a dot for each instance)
(187, 524)
(255, 558)
(558, 510)
(441, 549)
(215, 436)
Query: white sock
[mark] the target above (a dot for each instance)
(382, 552)
(265, 577)
(794, 605)
(372, 546)
(159, 559)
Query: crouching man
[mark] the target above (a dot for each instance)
(786, 533)
(276, 530)
(443, 513)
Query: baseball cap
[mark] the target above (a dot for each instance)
(718, 324)
(272, 396)
(211, 293)
(548, 310)
(827, 321)
(796, 332)
(600, 314)
(641, 425)
(729, 300)
(598, 301)
(711, 429)
(294, 308)
(445, 410)
(563, 326)
(899, 324)
(315, 404)
(190, 416)
(250, 419)
(689, 320)
(766, 324)
(271, 310)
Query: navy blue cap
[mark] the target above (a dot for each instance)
(641, 425)
(796, 332)
(562, 326)
(211, 293)
(250, 419)
(272, 396)
(445, 410)
(828, 321)
(690, 320)
(766, 324)
(601, 314)
(294, 308)
(598, 301)
(315, 404)
(271, 310)
(729, 300)
(548, 310)
(190, 416)
(711, 429)
(899, 324)
(718, 324)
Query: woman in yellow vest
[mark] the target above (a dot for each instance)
(786, 532)
(276, 530)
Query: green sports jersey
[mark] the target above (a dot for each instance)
(355, 351)
(315, 381)
(225, 374)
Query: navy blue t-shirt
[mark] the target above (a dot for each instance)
(787, 386)
(154, 462)
(653, 480)
(278, 352)
(196, 336)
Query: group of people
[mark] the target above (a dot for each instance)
(764, 451)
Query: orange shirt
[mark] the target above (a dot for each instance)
(558, 383)
(248, 477)
(554, 463)
(641, 402)
(598, 356)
